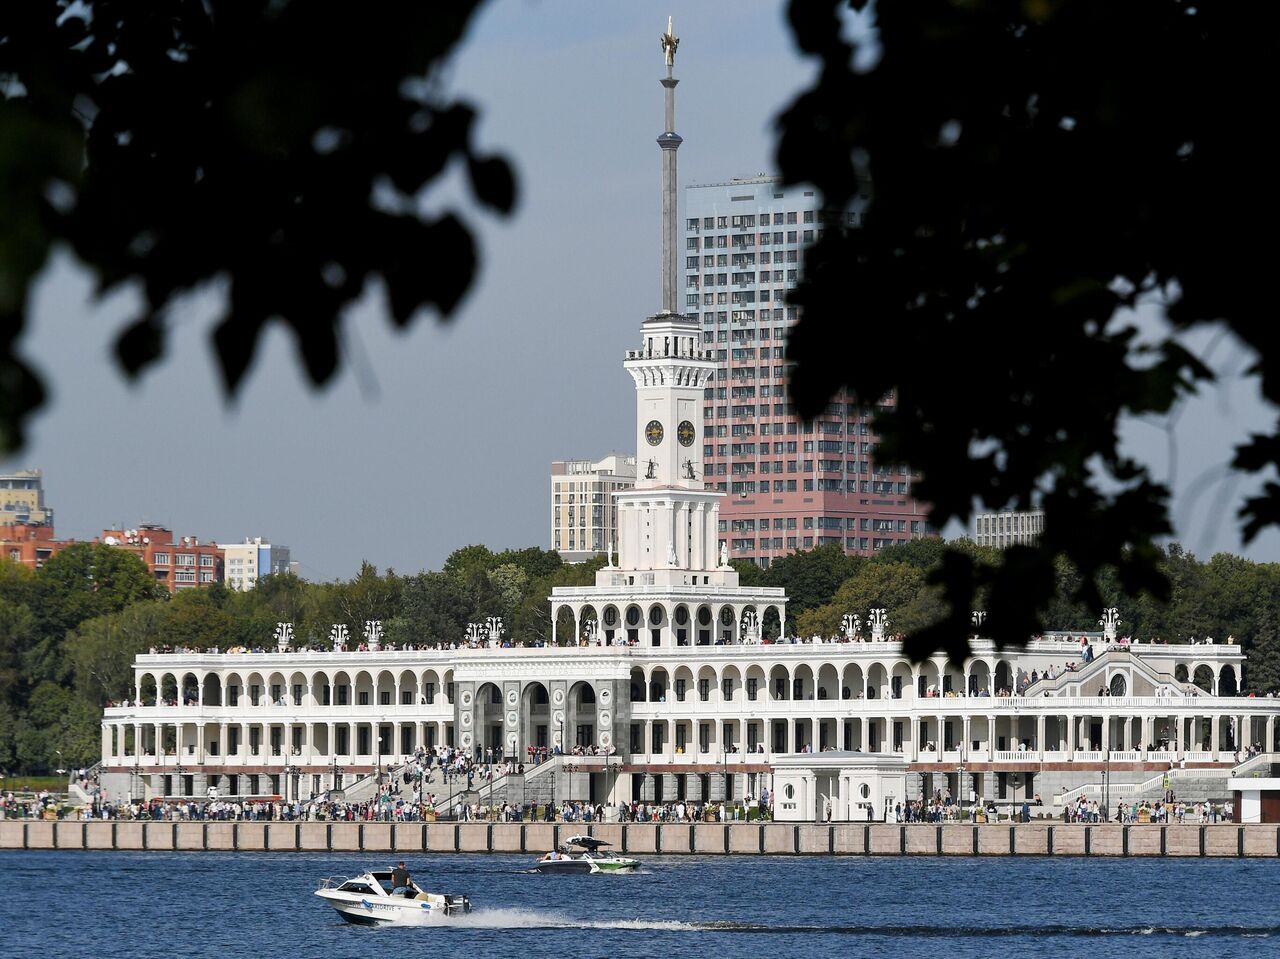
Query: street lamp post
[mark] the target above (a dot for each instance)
(1013, 810)
(1106, 783)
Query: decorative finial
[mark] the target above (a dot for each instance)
(669, 43)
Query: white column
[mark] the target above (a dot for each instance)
(683, 551)
(697, 531)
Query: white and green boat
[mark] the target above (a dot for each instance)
(584, 854)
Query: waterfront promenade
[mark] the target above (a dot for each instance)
(850, 839)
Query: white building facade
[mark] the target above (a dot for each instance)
(245, 563)
(1008, 528)
(583, 512)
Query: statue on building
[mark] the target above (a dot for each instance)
(669, 42)
(652, 471)
(724, 555)
(689, 471)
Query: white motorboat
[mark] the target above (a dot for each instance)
(584, 854)
(367, 899)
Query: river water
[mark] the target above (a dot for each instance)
(259, 905)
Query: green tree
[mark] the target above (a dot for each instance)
(78, 583)
(894, 587)
(920, 553)
(509, 582)
(172, 143)
(811, 577)
(889, 586)
(194, 619)
(534, 560)
(101, 651)
(434, 609)
(58, 730)
(749, 574)
(464, 560)
(1006, 180)
(17, 627)
(531, 621)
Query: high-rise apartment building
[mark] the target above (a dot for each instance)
(1008, 528)
(584, 516)
(791, 486)
(246, 562)
(22, 499)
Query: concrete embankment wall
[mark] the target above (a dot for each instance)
(855, 839)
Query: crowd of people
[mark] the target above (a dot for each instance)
(1173, 811)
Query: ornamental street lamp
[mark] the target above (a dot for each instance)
(493, 626)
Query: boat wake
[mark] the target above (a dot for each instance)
(517, 918)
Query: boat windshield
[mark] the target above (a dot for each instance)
(355, 885)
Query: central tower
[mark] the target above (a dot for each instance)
(669, 521)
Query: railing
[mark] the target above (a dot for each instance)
(1262, 761)
(1129, 789)
(1014, 755)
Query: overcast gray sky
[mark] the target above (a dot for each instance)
(447, 437)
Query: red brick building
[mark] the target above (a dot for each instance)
(183, 564)
(29, 544)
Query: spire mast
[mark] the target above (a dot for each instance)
(669, 142)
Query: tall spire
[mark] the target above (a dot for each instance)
(669, 142)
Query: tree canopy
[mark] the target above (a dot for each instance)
(279, 146)
(1006, 180)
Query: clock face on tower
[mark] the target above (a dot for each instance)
(653, 432)
(684, 432)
